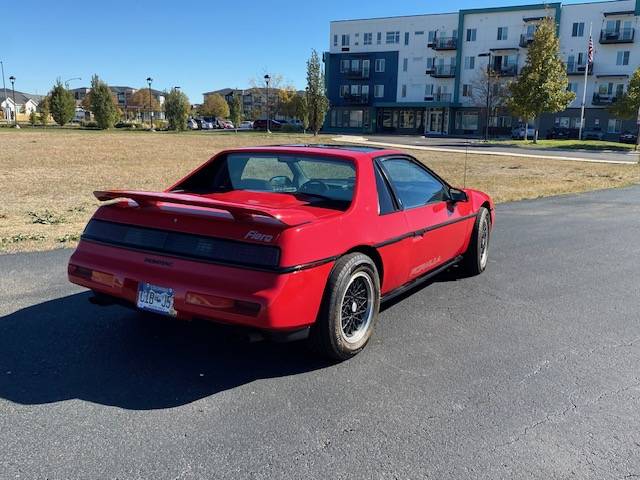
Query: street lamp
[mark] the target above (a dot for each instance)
(12, 79)
(267, 78)
(149, 80)
(486, 129)
(66, 82)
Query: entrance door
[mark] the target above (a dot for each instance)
(435, 122)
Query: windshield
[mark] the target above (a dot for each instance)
(314, 179)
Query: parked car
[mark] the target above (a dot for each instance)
(628, 137)
(262, 125)
(226, 124)
(518, 132)
(192, 124)
(562, 133)
(311, 240)
(594, 134)
(246, 125)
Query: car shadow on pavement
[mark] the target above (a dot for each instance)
(67, 348)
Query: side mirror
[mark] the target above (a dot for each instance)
(456, 195)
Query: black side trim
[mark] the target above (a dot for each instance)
(417, 281)
(424, 230)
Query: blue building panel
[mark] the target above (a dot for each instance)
(338, 75)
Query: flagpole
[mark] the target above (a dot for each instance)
(584, 90)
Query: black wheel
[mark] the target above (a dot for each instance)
(349, 308)
(477, 254)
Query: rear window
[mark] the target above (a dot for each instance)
(317, 180)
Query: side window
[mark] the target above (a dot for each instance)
(414, 185)
(385, 201)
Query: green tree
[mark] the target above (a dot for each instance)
(61, 104)
(33, 118)
(628, 105)
(44, 111)
(235, 109)
(301, 110)
(317, 101)
(542, 84)
(103, 106)
(177, 108)
(216, 106)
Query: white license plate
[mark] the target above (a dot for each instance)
(155, 299)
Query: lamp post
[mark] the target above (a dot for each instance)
(66, 82)
(267, 78)
(12, 79)
(149, 80)
(488, 116)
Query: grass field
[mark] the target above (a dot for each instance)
(590, 145)
(47, 177)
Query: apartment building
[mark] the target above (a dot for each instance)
(428, 73)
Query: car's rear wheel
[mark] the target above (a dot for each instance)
(349, 308)
(477, 255)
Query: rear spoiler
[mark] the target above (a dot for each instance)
(239, 212)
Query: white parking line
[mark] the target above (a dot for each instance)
(363, 140)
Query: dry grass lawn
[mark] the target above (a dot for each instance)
(47, 177)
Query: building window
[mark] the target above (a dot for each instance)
(614, 125)
(471, 34)
(357, 39)
(344, 90)
(345, 40)
(344, 65)
(379, 65)
(367, 39)
(406, 38)
(572, 87)
(622, 58)
(428, 90)
(393, 37)
(467, 90)
(578, 29)
(379, 38)
(335, 40)
(503, 33)
(403, 91)
(405, 64)
(469, 63)
(432, 36)
(378, 91)
(430, 62)
(466, 120)
(419, 32)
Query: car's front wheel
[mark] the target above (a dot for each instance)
(477, 254)
(349, 309)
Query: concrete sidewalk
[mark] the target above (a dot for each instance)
(456, 145)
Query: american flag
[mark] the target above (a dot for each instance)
(590, 51)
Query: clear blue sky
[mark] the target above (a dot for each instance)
(198, 45)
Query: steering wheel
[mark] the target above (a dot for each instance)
(313, 186)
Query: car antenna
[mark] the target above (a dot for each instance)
(466, 156)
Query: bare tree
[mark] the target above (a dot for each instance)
(490, 89)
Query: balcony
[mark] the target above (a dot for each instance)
(504, 70)
(444, 43)
(438, 97)
(356, 73)
(356, 99)
(603, 100)
(578, 68)
(526, 39)
(622, 35)
(443, 71)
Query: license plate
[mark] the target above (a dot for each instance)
(155, 299)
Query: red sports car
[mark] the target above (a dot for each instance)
(296, 241)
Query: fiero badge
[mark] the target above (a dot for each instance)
(258, 236)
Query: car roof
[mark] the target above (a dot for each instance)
(333, 150)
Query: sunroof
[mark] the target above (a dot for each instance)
(353, 148)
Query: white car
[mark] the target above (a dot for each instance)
(192, 124)
(518, 133)
(246, 125)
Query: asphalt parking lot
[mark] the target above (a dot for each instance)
(531, 370)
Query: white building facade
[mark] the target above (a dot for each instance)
(428, 73)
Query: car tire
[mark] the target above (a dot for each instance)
(476, 257)
(349, 308)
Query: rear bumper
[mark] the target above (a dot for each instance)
(232, 295)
